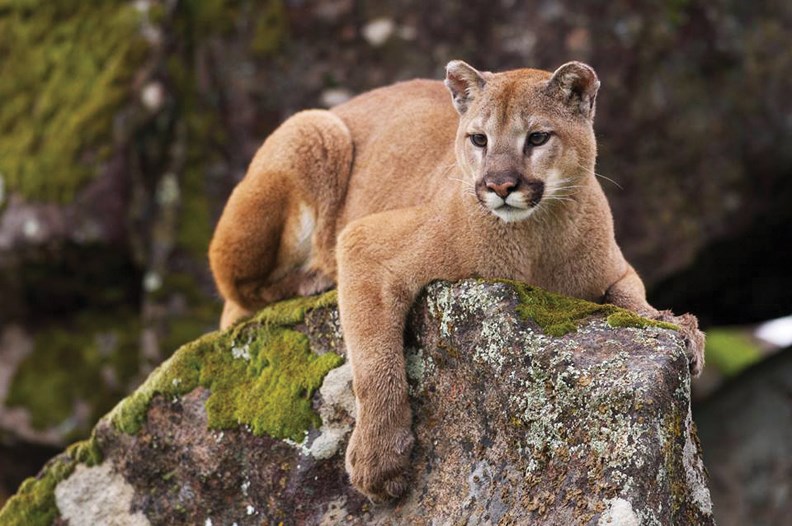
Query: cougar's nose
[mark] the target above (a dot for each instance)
(502, 189)
(502, 183)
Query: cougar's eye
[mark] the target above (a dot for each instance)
(479, 140)
(538, 138)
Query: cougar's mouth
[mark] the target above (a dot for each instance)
(509, 201)
(508, 210)
(515, 207)
(512, 214)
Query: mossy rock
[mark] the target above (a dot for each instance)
(34, 503)
(558, 315)
(67, 69)
(261, 373)
(502, 411)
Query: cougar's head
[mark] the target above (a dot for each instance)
(525, 137)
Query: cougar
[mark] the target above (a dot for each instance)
(401, 186)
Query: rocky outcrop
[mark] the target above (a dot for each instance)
(529, 408)
(746, 431)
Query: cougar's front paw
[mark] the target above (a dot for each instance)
(377, 461)
(693, 337)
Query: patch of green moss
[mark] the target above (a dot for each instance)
(261, 373)
(34, 502)
(67, 67)
(293, 311)
(558, 315)
(624, 318)
(731, 350)
(86, 452)
(70, 363)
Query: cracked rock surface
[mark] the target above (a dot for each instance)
(513, 427)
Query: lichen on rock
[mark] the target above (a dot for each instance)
(513, 426)
(579, 402)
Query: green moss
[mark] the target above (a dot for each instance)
(293, 311)
(70, 364)
(34, 502)
(261, 373)
(67, 67)
(558, 315)
(731, 350)
(86, 452)
(625, 318)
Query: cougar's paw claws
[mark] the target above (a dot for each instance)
(694, 342)
(694, 339)
(377, 463)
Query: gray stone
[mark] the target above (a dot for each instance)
(513, 426)
(746, 432)
(97, 495)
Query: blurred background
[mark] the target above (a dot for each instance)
(124, 125)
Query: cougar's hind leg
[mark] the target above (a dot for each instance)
(275, 238)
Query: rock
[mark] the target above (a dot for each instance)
(746, 432)
(97, 495)
(529, 408)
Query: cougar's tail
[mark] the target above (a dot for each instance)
(278, 227)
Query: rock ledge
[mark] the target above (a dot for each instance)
(513, 425)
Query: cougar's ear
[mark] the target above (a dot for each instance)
(464, 82)
(576, 84)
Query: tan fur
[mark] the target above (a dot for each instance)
(394, 194)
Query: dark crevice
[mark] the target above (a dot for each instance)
(741, 279)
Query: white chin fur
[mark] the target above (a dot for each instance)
(513, 215)
(516, 211)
